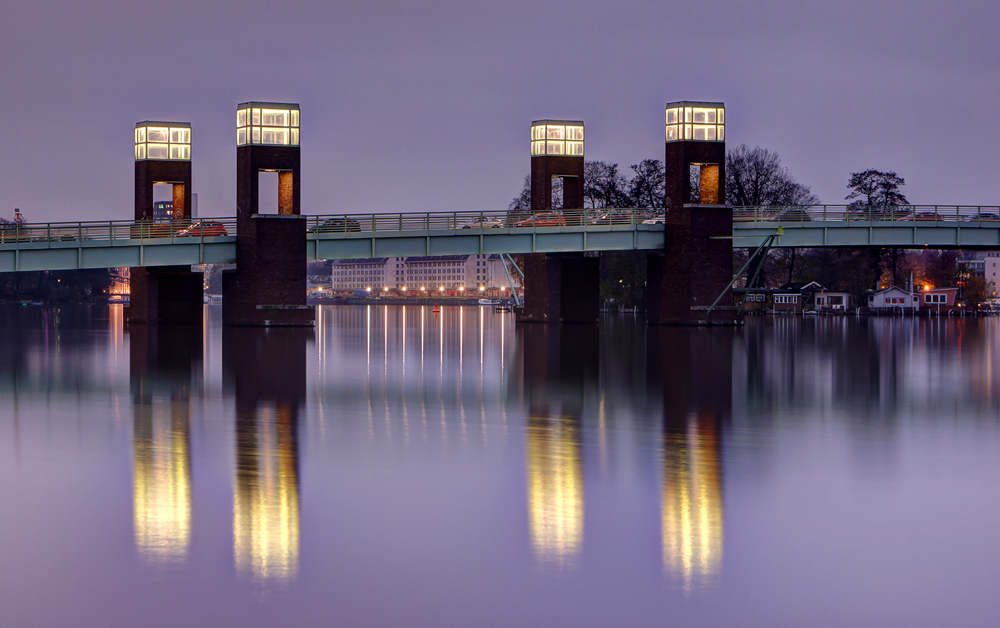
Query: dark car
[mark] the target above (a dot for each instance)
(983, 217)
(206, 228)
(337, 225)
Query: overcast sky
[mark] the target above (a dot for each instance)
(427, 105)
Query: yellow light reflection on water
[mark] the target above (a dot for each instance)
(266, 500)
(692, 514)
(555, 490)
(161, 483)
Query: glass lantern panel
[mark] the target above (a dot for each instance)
(241, 117)
(704, 116)
(295, 137)
(722, 116)
(140, 135)
(241, 137)
(721, 135)
(554, 148)
(672, 133)
(157, 134)
(555, 132)
(180, 135)
(295, 117)
(574, 133)
(255, 137)
(180, 151)
(672, 115)
(274, 117)
(687, 114)
(538, 148)
(574, 148)
(538, 132)
(157, 151)
(255, 116)
(271, 135)
(687, 131)
(140, 151)
(704, 132)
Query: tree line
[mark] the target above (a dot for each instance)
(755, 176)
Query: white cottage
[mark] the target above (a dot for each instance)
(894, 299)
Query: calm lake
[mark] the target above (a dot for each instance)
(397, 467)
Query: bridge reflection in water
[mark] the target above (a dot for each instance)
(266, 370)
(557, 365)
(694, 367)
(162, 362)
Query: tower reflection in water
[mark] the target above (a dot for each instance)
(266, 371)
(558, 363)
(162, 363)
(694, 367)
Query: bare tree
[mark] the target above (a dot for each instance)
(646, 188)
(755, 176)
(604, 186)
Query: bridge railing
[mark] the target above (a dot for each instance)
(513, 219)
(182, 230)
(903, 214)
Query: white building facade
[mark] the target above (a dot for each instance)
(435, 272)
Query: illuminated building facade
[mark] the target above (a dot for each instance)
(450, 272)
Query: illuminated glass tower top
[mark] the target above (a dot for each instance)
(267, 123)
(167, 141)
(696, 121)
(557, 137)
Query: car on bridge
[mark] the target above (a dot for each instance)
(204, 228)
(612, 218)
(923, 217)
(656, 220)
(983, 217)
(337, 225)
(484, 223)
(543, 219)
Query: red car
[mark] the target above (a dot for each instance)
(207, 228)
(543, 219)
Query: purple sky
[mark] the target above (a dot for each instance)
(426, 106)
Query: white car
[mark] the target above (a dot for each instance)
(655, 220)
(484, 223)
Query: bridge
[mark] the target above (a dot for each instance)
(79, 245)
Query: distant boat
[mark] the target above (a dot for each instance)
(490, 301)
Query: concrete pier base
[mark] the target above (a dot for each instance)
(561, 288)
(165, 295)
(695, 267)
(268, 286)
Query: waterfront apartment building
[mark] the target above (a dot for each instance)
(433, 272)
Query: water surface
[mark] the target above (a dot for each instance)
(394, 467)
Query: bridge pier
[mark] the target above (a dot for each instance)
(694, 268)
(165, 294)
(561, 288)
(697, 261)
(268, 286)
